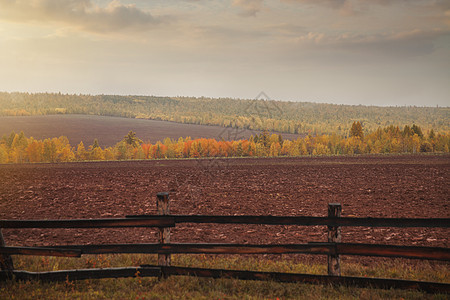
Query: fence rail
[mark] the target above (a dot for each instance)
(172, 220)
(305, 221)
(42, 251)
(164, 221)
(411, 252)
(164, 271)
(90, 223)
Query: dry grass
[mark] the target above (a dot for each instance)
(182, 287)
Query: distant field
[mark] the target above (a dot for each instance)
(110, 130)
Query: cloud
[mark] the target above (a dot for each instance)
(414, 42)
(346, 38)
(340, 3)
(354, 7)
(81, 14)
(344, 7)
(285, 29)
(330, 3)
(249, 7)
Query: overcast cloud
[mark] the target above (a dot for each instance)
(377, 52)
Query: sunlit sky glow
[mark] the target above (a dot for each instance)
(374, 52)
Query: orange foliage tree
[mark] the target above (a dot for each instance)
(17, 148)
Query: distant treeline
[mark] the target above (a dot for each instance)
(17, 148)
(278, 116)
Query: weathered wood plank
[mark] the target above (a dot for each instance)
(163, 208)
(334, 236)
(413, 252)
(156, 271)
(431, 287)
(170, 220)
(201, 248)
(308, 221)
(82, 274)
(165, 221)
(41, 251)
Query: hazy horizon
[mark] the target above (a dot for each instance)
(353, 52)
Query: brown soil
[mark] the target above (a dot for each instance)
(366, 186)
(110, 130)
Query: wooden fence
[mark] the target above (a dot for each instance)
(333, 248)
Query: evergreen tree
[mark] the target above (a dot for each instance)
(11, 139)
(357, 130)
(407, 131)
(132, 140)
(95, 144)
(417, 130)
(264, 138)
(280, 139)
(431, 135)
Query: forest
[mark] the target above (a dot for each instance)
(306, 118)
(17, 148)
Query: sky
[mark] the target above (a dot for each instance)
(370, 52)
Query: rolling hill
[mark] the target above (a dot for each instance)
(279, 116)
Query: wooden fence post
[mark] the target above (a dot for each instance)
(334, 236)
(6, 262)
(162, 205)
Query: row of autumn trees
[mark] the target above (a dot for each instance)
(17, 148)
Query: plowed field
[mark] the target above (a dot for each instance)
(366, 186)
(110, 130)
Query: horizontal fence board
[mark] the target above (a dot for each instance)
(169, 221)
(412, 252)
(415, 252)
(89, 223)
(308, 221)
(81, 274)
(41, 251)
(156, 271)
(431, 287)
(202, 248)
